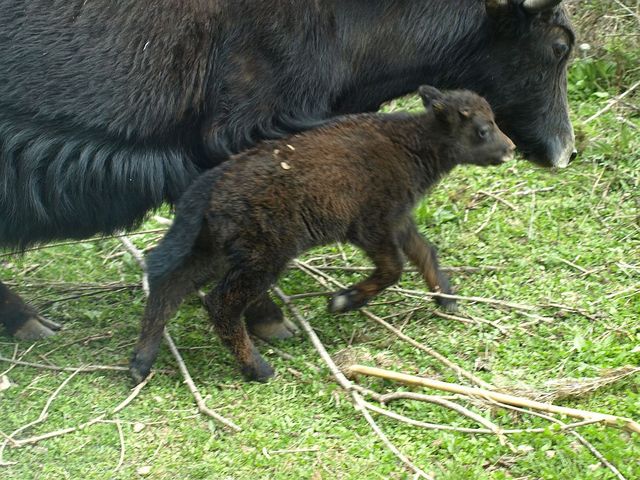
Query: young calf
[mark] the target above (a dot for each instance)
(356, 180)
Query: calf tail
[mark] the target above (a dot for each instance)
(177, 245)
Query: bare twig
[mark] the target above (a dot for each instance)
(563, 426)
(202, 406)
(484, 224)
(420, 346)
(57, 433)
(13, 358)
(122, 445)
(346, 384)
(490, 301)
(41, 418)
(88, 240)
(87, 368)
(612, 102)
(613, 420)
(498, 198)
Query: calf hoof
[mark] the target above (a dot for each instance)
(278, 330)
(36, 328)
(447, 304)
(346, 300)
(139, 369)
(258, 371)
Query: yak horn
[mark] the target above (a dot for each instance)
(535, 6)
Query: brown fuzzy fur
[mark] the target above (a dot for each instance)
(356, 180)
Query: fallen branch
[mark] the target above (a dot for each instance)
(41, 418)
(612, 102)
(420, 346)
(345, 383)
(202, 406)
(122, 445)
(564, 427)
(57, 433)
(88, 368)
(613, 420)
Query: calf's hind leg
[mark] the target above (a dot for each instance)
(388, 261)
(226, 304)
(164, 299)
(264, 319)
(424, 257)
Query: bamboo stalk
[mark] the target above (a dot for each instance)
(626, 423)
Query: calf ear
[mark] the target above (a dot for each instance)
(434, 100)
(429, 95)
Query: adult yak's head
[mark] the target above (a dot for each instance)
(513, 52)
(525, 77)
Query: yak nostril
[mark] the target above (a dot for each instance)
(574, 154)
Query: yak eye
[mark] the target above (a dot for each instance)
(483, 132)
(560, 48)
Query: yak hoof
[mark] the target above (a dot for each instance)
(278, 330)
(258, 371)
(448, 304)
(36, 328)
(346, 301)
(138, 370)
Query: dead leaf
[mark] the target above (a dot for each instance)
(5, 383)
(144, 471)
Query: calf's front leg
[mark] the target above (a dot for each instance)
(388, 261)
(423, 256)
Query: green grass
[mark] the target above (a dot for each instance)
(587, 215)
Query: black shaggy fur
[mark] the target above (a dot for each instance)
(108, 108)
(356, 180)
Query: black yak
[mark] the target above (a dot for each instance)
(355, 180)
(110, 108)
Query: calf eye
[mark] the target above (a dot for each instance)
(483, 132)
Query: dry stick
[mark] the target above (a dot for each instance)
(489, 268)
(122, 445)
(440, 400)
(499, 199)
(613, 420)
(88, 240)
(612, 102)
(420, 346)
(56, 433)
(202, 406)
(472, 320)
(13, 358)
(563, 426)
(41, 418)
(491, 301)
(492, 427)
(346, 384)
(88, 368)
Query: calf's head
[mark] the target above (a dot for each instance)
(469, 126)
(525, 77)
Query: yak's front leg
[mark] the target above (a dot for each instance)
(20, 319)
(424, 257)
(388, 262)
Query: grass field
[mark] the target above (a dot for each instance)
(571, 237)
